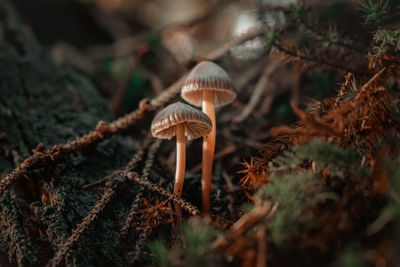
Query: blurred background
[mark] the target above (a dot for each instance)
(135, 49)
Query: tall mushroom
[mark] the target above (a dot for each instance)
(181, 120)
(208, 85)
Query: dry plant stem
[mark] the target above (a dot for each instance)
(219, 52)
(372, 80)
(119, 95)
(180, 159)
(251, 73)
(258, 90)
(192, 210)
(208, 151)
(150, 158)
(319, 61)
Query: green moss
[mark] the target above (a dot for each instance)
(290, 192)
(42, 102)
(197, 236)
(351, 256)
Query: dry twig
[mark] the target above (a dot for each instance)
(257, 92)
(119, 95)
(297, 56)
(192, 210)
(146, 171)
(219, 52)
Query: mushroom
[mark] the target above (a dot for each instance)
(208, 85)
(181, 120)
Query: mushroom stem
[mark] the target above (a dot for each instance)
(208, 150)
(180, 158)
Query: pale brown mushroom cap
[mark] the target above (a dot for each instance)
(197, 123)
(208, 76)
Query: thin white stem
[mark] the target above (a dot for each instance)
(208, 151)
(180, 158)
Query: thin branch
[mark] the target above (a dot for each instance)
(192, 210)
(257, 92)
(334, 42)
(121, 91)
(318, 61)
(368, 84)
(150, 159)
(145, 174)
(223, 153)
(119, 49)
(155, 81)
(131, 215)
(219, 52)
(246, 76)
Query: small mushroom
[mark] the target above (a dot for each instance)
(208, 85)
(181, 120)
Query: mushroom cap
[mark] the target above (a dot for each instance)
(197, 123)
(208, 76)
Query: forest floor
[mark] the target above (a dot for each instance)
(306, 160)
